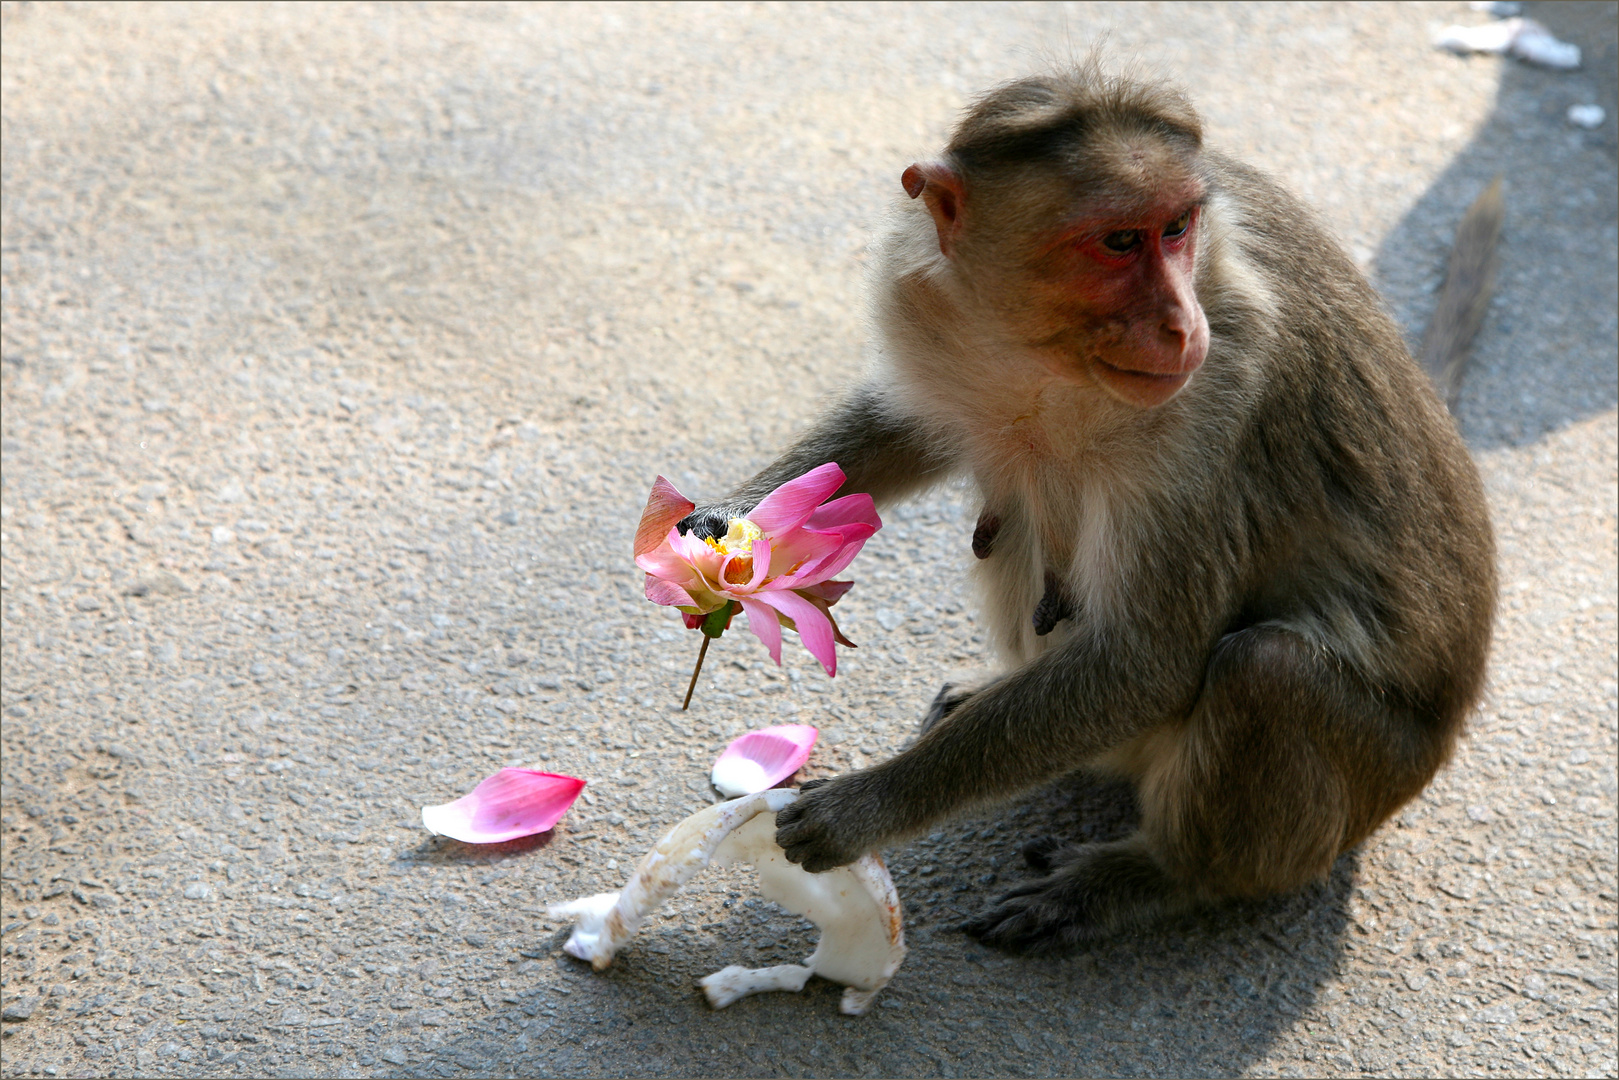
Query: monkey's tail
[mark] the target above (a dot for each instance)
(1466, 295)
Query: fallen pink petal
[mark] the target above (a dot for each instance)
(507, 805)
(762, 759)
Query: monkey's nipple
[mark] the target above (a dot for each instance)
(984, 535)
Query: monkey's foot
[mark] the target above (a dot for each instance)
(1098, 891)
(946, 701)
(1046, 853)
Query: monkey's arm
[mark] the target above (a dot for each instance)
(881, 452)
(1048, 718)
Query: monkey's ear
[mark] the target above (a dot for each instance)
(938, 185)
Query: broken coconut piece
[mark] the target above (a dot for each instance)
(856, 907)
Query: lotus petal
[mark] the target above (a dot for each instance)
(765, 624)
(664, 507)
(509, 804)
(801, 547)
(813, 626)
(665, 562)
(862, 933)
(856, 509)
(829, 565)
(762, 759)
(830, 591)
(788, 506)
(668, 593)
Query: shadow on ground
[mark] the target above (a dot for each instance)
(1216, 988)
(1534, 369)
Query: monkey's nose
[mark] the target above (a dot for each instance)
(1184, 338)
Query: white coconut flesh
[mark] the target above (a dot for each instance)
(855, 906)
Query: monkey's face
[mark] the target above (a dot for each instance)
(1109, 300)
(1087, 261)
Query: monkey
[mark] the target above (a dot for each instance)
(1231, 545)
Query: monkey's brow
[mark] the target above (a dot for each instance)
(1097, 224)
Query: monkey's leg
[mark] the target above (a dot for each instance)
(1286, 760)
(1051, 716)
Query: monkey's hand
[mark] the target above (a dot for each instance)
(829, 825)
(713, 520)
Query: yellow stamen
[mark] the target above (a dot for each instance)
(738, 538)
(741, 534)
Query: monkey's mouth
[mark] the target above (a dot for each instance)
(1143, 388)
(1170, 377)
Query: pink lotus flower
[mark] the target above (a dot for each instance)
(762, 759)
(776, 563)
(509, 804)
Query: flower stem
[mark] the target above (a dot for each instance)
(693, 684)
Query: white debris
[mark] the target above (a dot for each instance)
(729, 984)
(1525, 39)
(1587, 116)
(862, 936)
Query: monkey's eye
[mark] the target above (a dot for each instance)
(1122, 242)
(1178, 227)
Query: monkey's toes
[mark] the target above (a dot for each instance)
(1029, 919)
(1038, 853)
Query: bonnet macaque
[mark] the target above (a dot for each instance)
(1231, 546)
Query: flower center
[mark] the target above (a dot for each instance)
(738, 539)
(740, 536)
(738, 543)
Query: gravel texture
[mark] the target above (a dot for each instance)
(341, 346)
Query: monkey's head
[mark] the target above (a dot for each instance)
(1070, 206)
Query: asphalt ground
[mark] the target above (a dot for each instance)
(341, 345)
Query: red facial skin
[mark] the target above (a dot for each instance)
(1124, 288)
(1116, 290)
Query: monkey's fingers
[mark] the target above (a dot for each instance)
(710, 521)
(807, 832)
(815, 853)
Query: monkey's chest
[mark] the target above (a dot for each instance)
(1038, 567)
(1048, 557)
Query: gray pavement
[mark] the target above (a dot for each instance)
(341, 345)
